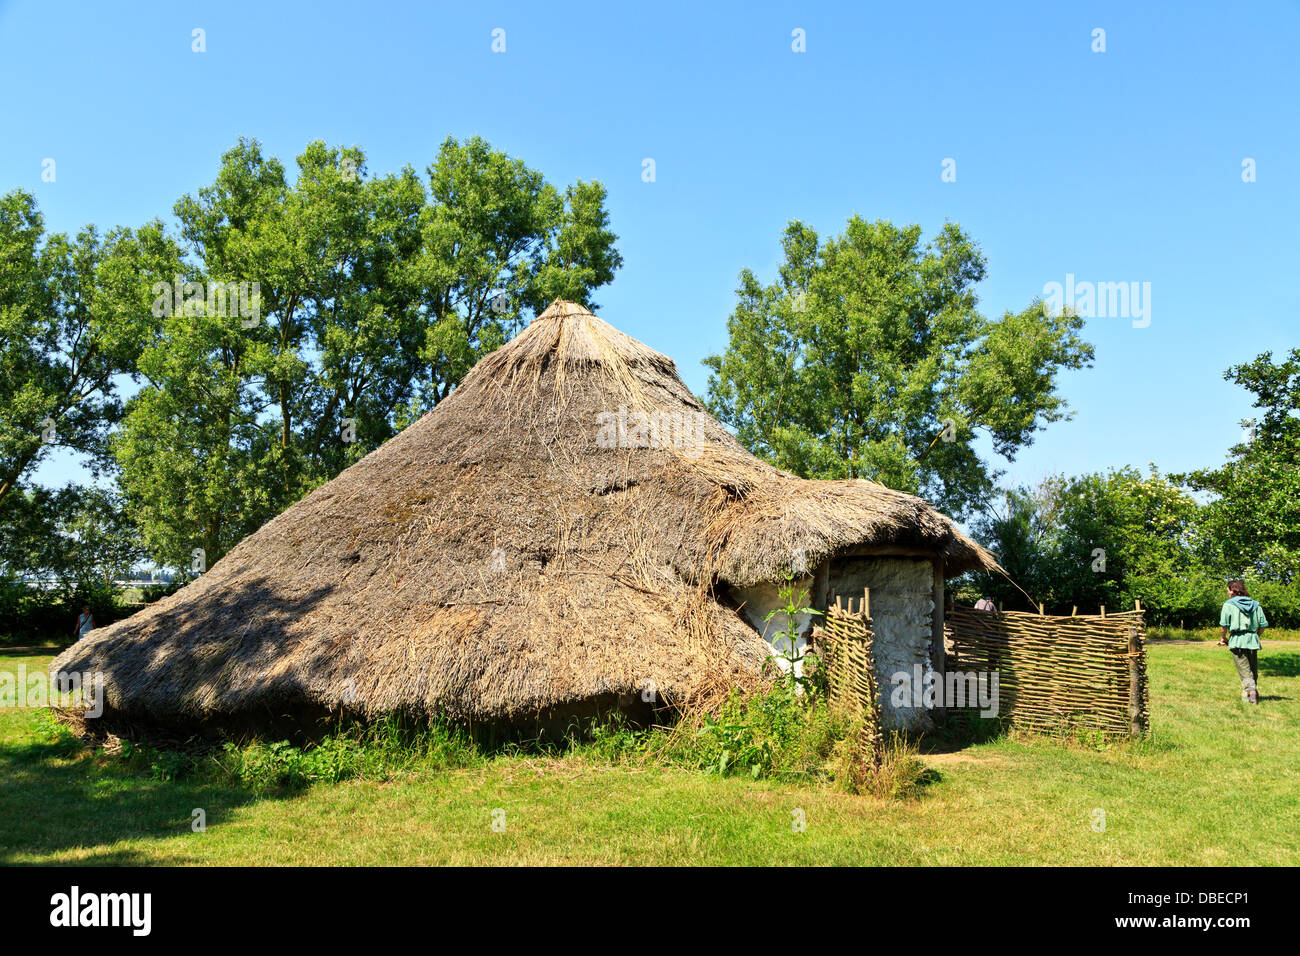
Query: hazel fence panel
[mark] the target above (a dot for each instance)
(1057, 674)
(846, 643)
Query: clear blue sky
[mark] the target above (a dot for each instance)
(1117, 166)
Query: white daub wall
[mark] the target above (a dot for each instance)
(902, 609)
(758, 600)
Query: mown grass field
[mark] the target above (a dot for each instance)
(1161, 633)
(1217, 784)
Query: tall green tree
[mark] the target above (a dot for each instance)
(499, 243)
(1105, 538)
(73, 319)
(1019, 532)
(72, 538)
(1254, 516)
(374, 297)
(868, 357)
(1123, 536)
(199, 457)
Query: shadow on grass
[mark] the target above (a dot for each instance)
(1279, 665)
(37, 650)
(961, 731)
(928, 777)
(56, 795)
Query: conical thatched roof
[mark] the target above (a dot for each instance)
(494, 560)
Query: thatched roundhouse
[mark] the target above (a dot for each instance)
(569, 529)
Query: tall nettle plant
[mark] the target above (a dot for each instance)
(786, 641)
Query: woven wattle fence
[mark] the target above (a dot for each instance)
(1057, 674)
(845, 643)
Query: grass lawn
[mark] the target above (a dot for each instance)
(1162, 633)
(1218, 784)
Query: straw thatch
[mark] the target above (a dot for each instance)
(494, 561)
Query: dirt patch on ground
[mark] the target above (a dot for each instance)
(959, 757)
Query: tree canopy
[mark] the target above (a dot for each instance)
(868, 358)
(372, 296)
(1254, 515)
(1105, 538)
(74, 317)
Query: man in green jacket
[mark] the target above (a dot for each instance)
(1241, 622)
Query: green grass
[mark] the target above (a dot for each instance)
(1212, 634)
(1217, 784)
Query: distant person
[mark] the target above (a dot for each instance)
(1241, 622)
(984, 604)
(85, 622)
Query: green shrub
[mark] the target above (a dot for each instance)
(609, 738)
(775, 732)
(779, 731)
(155, 592)
(899, 773)
(1196, 604)
(1192, 600)
(379, 750)
(170, 764)
(1281, 602)
(30, 615)
(261, 765)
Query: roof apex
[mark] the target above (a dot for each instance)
(564, 309)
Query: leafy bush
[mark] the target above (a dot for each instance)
(611, 738)
(170, 765)
(1115, 537)
(34, 615)
(899, 773)
(1195, 603)
(155, 592)
(376, 751)
(266, 766)
(777, 732)
(269, 765)
(781, 733)
(1281, 602)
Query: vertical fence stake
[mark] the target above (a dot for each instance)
(851, 674)
(1135, 723)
